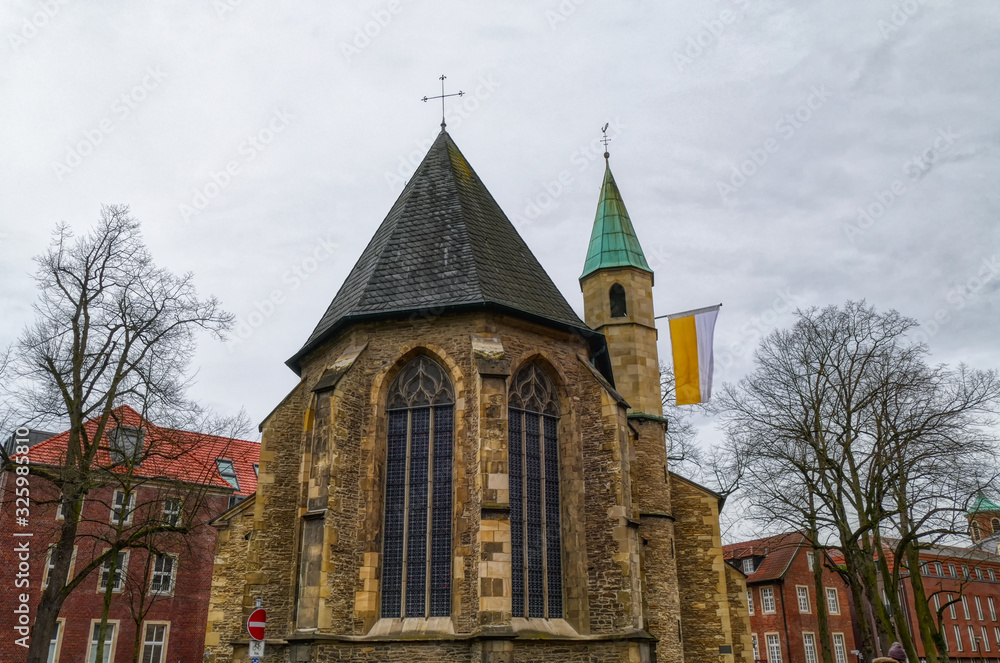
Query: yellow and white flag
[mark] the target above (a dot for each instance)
(691, 334)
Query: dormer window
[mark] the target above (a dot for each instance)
(748, 565)
(617, 300)
(126, 444)
(228, 472)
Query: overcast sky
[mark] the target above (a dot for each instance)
(771, 154)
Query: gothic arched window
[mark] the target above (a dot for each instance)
(416, 548)
(617, 297)
(536, 552)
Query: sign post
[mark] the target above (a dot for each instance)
(255, 627)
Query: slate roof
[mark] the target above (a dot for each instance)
(445, 245)
(613, 242)
(778, 552)
(181, 455)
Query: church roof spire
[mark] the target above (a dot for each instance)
(984, 504)
(613, 242)
(445, 246)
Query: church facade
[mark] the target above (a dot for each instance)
(467, 471)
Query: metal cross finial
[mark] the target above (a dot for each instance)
(605, 140)
(442, 97)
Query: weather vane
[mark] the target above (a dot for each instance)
(442, 97)
(605, 140)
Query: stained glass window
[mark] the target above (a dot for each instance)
(536, 559)
(416, 548)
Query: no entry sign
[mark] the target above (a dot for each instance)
(256, 624)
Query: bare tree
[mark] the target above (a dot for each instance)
(682, 448)
(843, 428)
(111, 329)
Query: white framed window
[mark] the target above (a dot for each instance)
(767, 600)
(991, 574)
(50, 565)
(951, 607)
(979, 608)
(832, 601)
(802, 593)
(110, 638)
(164, 574)
(965, 571)
(748, 565)
(938, 569)
(121, 512)
(979, 573)
(171, 511)
(756, 646)
(773, 648)
(958, 638)
(937, 603)
(809, 645)
(986, 638)
(972, 639)
(61, 509)
(996, 636)
(992, 607)
(121, 568)
(952, 571)
(965, 607)
(750, 600)
(810, 560)
(55, 644)
(154, 642)
(839, 648)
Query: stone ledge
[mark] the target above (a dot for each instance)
(632, 635)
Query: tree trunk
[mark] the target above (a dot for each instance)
(109, 593)
(826, 646)
(925, 619)
(53, 596)
(891, 584)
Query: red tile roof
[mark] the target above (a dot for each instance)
(778, 552)
(178, 455)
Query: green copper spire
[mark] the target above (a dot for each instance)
(983, 503)
(613, 242)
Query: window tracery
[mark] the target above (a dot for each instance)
(536, 559)
(416, 561)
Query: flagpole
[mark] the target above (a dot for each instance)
(684, 314)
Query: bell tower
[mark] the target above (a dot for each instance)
(617, 286)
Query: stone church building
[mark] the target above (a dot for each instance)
(467, 471)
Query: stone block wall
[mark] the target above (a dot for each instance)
(599, 520)
(706, 619)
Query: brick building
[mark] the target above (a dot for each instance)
(170, 578)
(969, 580)
(984, 524)
(467, 471)
(781, 597)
